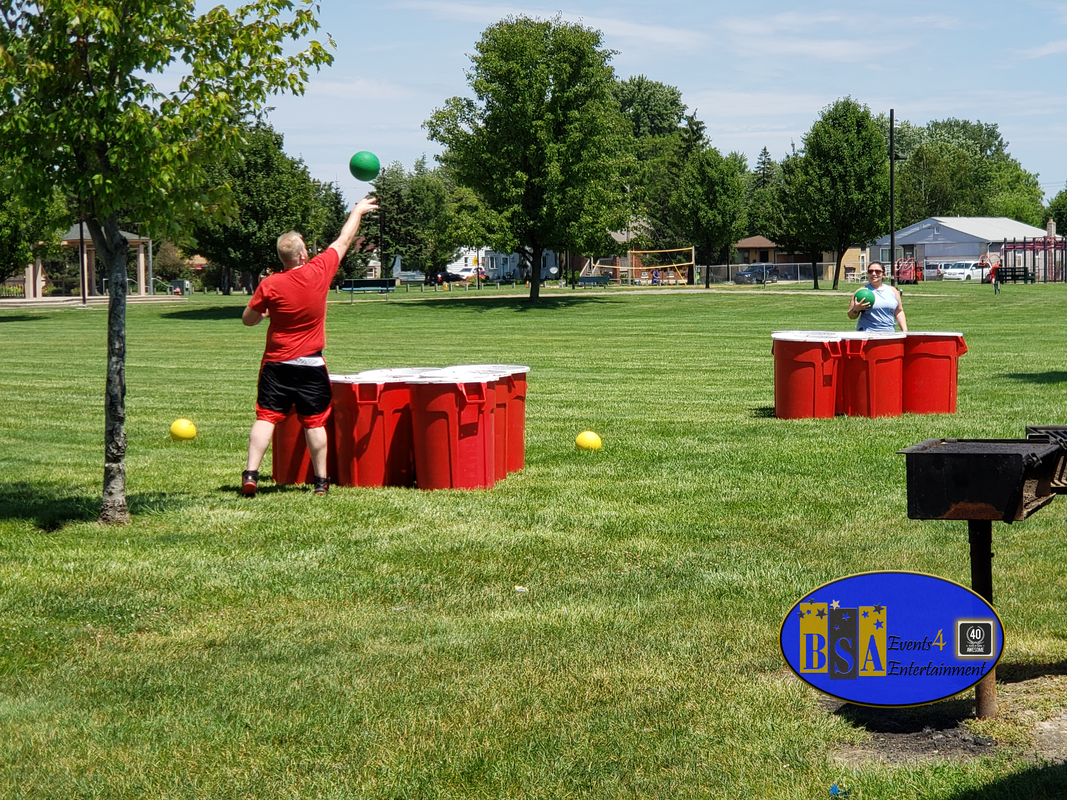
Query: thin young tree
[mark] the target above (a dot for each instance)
(83, 108)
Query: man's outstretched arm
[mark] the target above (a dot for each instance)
(351, 226)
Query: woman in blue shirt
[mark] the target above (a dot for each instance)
(888, 309)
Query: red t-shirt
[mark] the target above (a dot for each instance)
(296, 300)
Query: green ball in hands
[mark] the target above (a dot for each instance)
(364, 166)
(865, 295)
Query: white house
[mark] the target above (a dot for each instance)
(503, 266)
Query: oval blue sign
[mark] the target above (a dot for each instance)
(892, 639)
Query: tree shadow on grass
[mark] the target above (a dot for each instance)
(22, 317)
(1040, 782)
(1019, 673)
(214, 313)
(521, 305)
(50, 507)
(1052, 376)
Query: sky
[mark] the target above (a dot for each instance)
(758, 74)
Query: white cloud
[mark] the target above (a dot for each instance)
(1052, 48)
(360, 89)
(611, 26)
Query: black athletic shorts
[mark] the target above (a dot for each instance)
(282, 386)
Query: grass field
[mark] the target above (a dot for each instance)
(373, 644)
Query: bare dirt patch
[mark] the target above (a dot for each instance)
(1031, 724)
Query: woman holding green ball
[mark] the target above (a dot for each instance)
(878, 307)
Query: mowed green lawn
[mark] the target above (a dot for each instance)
(375, 643)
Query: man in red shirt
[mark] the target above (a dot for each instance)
(293, 371)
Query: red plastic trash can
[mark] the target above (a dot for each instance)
(452, 413)
(290, 459)
(872, 374)
(931, 370)
(509, 423)
(805, 373)
(372, 427)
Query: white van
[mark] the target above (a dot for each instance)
(965, 271)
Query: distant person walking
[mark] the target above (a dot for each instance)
(293, 371)
(887, 311)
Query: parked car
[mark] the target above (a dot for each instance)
(442, 277)
(757, 273)
(933, 272)
(963, 271)
(469, 273)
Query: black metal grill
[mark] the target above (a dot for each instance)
(1057, 433)
(981, 479)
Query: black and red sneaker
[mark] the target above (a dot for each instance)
(249, 482)
(322, 485)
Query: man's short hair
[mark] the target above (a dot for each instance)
(290, 245)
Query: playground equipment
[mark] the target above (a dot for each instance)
(988, 266)
(659, 267)
(907, 271)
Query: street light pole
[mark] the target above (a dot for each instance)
(892, 202)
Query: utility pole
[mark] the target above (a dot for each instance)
(892, 202)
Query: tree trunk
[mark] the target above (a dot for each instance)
(535, 272)
(837, 268)
(112, 246)
(815, 268)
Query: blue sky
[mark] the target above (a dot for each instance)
(757, 73)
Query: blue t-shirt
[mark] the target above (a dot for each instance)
(882, 315)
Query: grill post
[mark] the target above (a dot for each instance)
(980, 535)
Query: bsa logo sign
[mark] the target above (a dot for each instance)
(892, 639)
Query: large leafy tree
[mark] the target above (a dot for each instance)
(708, 203)
(665, 137)
(789, 221)
(82, 109)
(654, 108)
(419, 216)
(843, 189)
(27, 230)
(956, 167)
(542, 143)
(273, 193)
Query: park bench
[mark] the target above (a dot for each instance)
(1006, 274)
(380, 285)
(593, 280)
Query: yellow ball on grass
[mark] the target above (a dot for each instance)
(587, 440)
(182, 430)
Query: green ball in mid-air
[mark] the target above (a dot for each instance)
(364, 166)
(865, 295)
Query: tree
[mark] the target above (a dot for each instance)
(80, 111)
(761, 188)
(1057, 209)
(543, 144)
(27, 232)
(956, 167)
(708, 204)
(844, 186)
(941, 179)
(791, 223)
(653, 108)
(273, 193)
